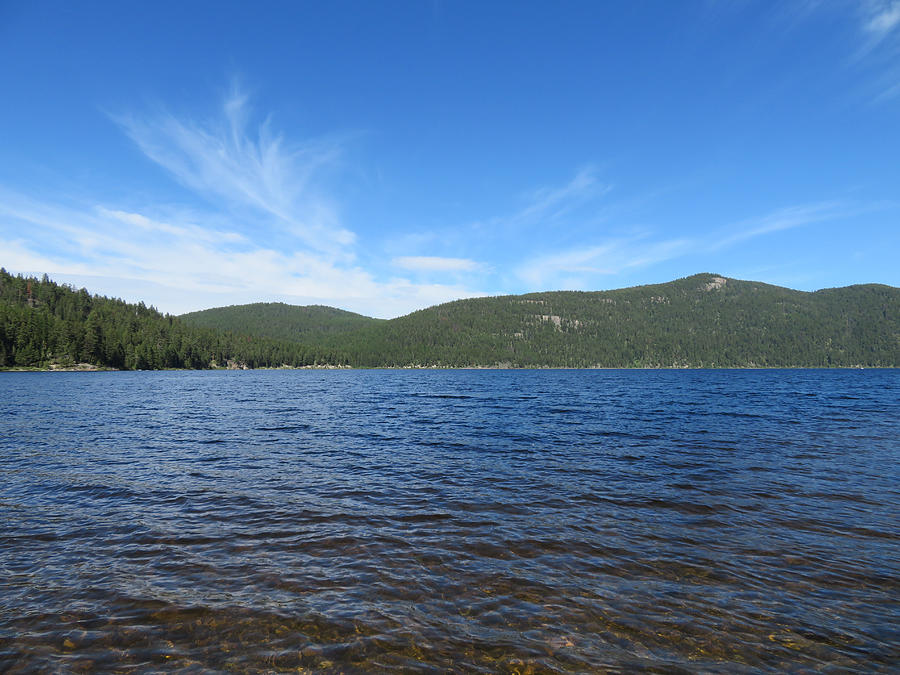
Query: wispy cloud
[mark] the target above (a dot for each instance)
(189, 231)
(879, 51)
(181, 266)
(547, 216)
(550, 204)
(546, 206)
(881, 17)
(177, 264)
(579, 268)
(884, 30)
(435, 264)
(270, 228)
(870, 34)
(228, 160)
(781, 219)
(583, 266)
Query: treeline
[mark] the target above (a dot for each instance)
(702, 321)
(699, 321)
(44, 323)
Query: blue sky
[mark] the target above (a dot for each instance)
(386, 156)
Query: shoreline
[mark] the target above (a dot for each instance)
(104, 369)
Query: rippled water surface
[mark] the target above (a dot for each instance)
(475, 521)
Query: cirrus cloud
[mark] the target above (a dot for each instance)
(247, 169)
(436, 264)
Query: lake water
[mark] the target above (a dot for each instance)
(474, 521)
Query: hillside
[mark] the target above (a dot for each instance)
(700, 321)
(280, 321)
(44, 324)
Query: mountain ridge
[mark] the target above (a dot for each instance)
(703, 320)
(700, 275)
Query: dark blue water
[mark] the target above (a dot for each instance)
(474, 521)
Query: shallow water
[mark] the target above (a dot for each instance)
(477, 521)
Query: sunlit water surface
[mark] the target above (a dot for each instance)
(475, 521)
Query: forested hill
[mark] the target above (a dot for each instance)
(44, 324)
(280, 321)
(700, 321)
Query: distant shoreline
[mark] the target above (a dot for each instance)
(100, 369)
(703, 322)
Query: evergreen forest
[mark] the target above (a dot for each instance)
(44, 324)
(701, 321)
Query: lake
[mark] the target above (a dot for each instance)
(470, 521)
